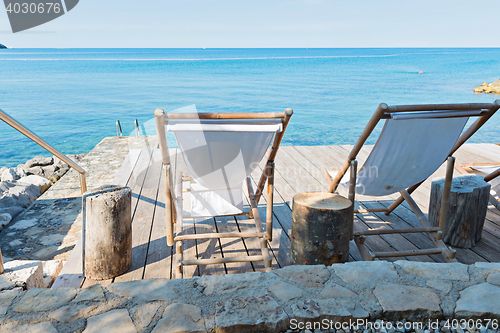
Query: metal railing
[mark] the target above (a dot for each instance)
(118, 129)
(16, 125)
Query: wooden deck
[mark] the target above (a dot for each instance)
(297, 170)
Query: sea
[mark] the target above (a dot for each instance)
(72, 98)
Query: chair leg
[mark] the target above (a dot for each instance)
(168, 206)
(445, 200)
(352, 193)
(270, 195)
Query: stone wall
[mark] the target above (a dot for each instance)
(293, 298)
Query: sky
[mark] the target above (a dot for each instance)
(264, 23)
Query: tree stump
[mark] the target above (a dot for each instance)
(107, 231)
(467, 211)
(320, 229)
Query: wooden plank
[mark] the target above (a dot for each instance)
(232, 247)
(208, 248)
(159, 256)
(142, 218)
(71, 275)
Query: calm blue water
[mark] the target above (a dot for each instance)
(73, 97)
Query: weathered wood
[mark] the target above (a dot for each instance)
(320, 228)
(1, 263)
(108, 232)
(466, 212)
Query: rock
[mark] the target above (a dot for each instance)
(109, 322)
(23, 224)
(494, 266)
(45, 327)
(333, 290)
(15, 242)
(41, 182)
(440, 285)
(480, 300)
(144, 314)
(177, 318)
(22, 273)
(11, 174)
(51, 269)
(219, 284)
(5, 218)
(39, 161)
(36, 300)
(51, 239)
(400, 301)
(36, 171)
(360, 272)
(285, 291)
(70, 313)
(6, 298)
(306, 310)
(93, 293)
(261, 313)
(444, 271)
(307, 276)
(18, 194)
(494, 87)
(494, 278)
(146, 290)
(54, 177)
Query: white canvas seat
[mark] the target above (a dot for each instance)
(491, 174)
(220, 152)
(219, 156)
(413, 144)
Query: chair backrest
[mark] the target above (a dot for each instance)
(221, 153)
(409, 149)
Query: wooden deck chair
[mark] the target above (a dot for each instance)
(220, 151)
(413, 144)
(490, 172)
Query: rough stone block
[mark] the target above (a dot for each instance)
(45, 327)
(6, 298)
(181, 318)
(112, 321)
(42, 183)
(146, 290)
(36, 299)
(370, 272)
(333, 290)
(143, 314)
(494, 278)
(307, 276)
(51, 269)
(412, 303)
(494, 266)
(443, 271)
(22, 273)
(444, 286)
(285, 291)
(482, 300)
(70, 313)
(250, 314)
(92, 293)
(230, 283)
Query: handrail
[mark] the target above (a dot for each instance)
(118, 129)
(23, 130)
(137, 128)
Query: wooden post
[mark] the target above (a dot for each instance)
(320, 229)
(107, 238)
(352, 193)
(270, 195)
(468, 203)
